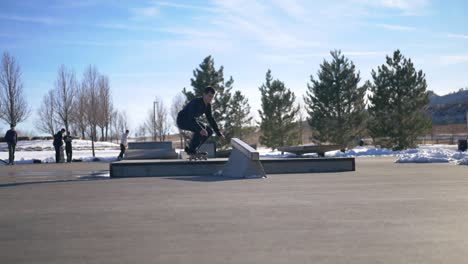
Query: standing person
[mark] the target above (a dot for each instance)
(58, 143)
(123, 144)
(68, 146)
(187, 119)
(11, 138)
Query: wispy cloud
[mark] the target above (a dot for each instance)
(396, 27)
(406, 7)
(364, 53)
(80, 4)
(32, 19)
(460, 36)
(257, 25)
(184, 6)
(128, 27)
(146, 12)
(454, 59)
(302, 58)
(292, 7)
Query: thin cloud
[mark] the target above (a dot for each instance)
(32, 19)
(395, 27)
(460, 36)
(119, 26)
(185, 6)
(292, 8)
(364, 53)
(454, 59)
(406, 7)
(146, 12)
(80, 4)
(258, 25)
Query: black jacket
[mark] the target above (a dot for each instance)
(58, 139)
(196, 108)
(11, 137)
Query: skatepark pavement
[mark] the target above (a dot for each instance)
(381, 213)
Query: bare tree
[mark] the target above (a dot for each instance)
(105, 106)
(65, 92)
(114, 125)
(90, 87)
(141, 132)
(13, 106)
(157, 123)
(150, 123)
(178, 103)
(79, 119)
(46, 122)
(122, 122)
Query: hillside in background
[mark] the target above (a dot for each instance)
(448, 109)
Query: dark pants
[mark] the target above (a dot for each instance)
(11, 153)
(68, 150)
(195, 126)
(57, 154)
(122, 151)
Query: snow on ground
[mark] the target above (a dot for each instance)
(27, 151)
(43, 150)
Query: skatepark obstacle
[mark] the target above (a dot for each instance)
(244, 161)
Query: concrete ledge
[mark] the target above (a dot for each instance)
(164, 168)
(150, 145)
(304, 149)
(140, 154)
(245, 148)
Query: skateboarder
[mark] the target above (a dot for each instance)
(11, 138)
(58, 143)
(123, 144)
(187, 119)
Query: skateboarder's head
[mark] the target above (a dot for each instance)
(63, 130)
(126, 131)
(12, 126)
(208, 94)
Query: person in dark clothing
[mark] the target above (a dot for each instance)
(58, 143)
(68, 146)
(123, 144)
(187, 119)
(11, 138)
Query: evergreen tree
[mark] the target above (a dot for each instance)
(208, 75)
(278, 114)
(238, 117)
(397, 103)
(335, 103)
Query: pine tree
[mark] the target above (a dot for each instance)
(397, 103)
(208, 75)
(278, 114)
(335, 103)
(238, 117)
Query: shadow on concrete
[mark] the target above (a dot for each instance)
(13, 184)
(208, 178)
(93, 176)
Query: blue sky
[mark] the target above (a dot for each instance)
(150, 48)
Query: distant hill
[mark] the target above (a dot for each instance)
(448, 109)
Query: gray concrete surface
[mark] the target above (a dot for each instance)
(184, 167)
(381, 213)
